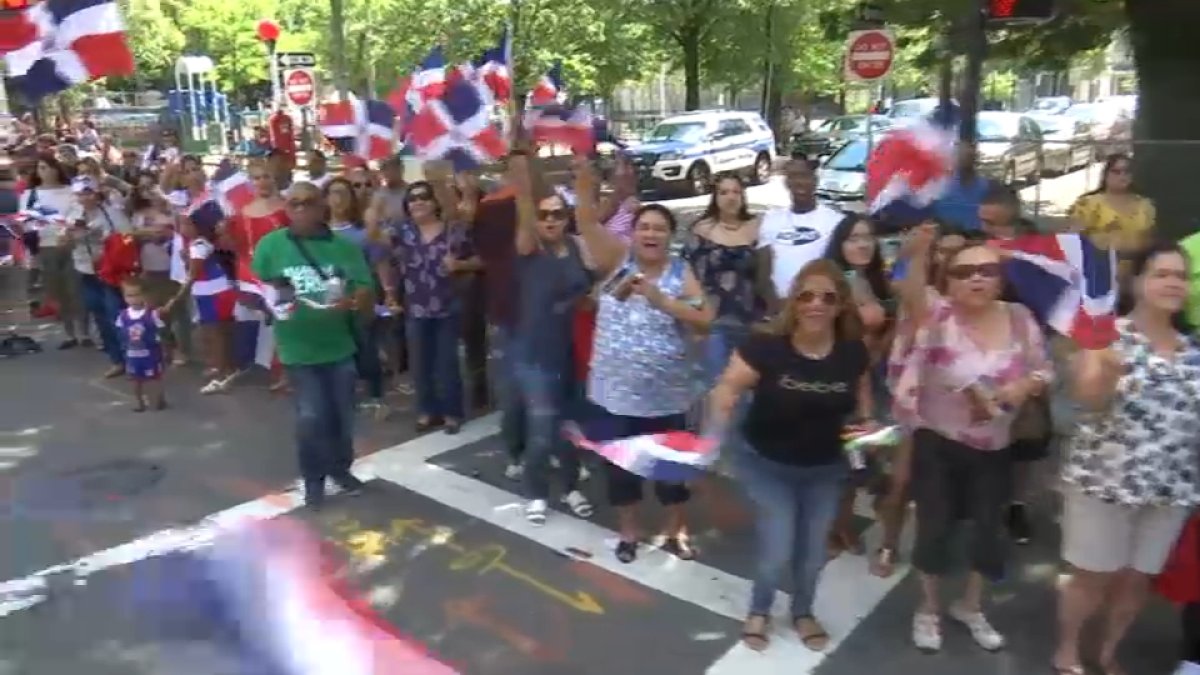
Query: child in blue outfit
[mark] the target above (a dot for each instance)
(140, 327)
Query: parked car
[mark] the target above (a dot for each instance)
(843, 177)
(1110, 126)
(836, 132)
(686, 151)
(1009, 147)
(1066, 143)
(1050, 105)
(912, 109)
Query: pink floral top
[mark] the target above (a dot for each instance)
(621, 223)
(934, 363)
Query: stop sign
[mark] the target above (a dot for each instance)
(869, 54)
(299, 86)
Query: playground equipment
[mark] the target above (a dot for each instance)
(202, 111)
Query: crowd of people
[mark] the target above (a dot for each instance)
(773, 334)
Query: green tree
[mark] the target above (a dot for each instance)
(154, 39)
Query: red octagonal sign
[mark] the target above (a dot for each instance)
(299, 87)
(869, 54)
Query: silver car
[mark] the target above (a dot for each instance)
(1066, 143)
(1008, 147)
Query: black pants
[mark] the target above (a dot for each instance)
(475, 346)
(625, 488)
(1191, 632)
(949, 481)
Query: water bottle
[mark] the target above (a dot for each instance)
(334, 290)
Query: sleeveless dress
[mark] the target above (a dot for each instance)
(246, 231)
(141, 333)
(213, 292)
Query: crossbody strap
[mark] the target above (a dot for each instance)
(308, 257)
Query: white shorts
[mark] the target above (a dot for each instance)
(1099, 536)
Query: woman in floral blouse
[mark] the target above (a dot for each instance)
(973, 361)
(1133, 465)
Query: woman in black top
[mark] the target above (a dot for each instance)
(808, 372)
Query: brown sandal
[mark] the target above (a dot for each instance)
(815, 640)
(883, 563)
(757, 640)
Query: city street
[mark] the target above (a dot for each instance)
(96, 499)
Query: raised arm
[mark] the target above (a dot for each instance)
(606, 249)
(912, 288)
(1095, 375)
(519, 178)
(440, 174)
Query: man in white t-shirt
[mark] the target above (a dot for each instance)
(791, 237)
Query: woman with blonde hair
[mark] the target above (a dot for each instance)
(808, 371)
(265, 214)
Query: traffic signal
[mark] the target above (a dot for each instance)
(1020, 10)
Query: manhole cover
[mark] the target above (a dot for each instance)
(99, 487)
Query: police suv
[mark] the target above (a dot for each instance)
(687, 150)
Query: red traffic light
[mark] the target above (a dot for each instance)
(15, 5)
(1020, 10)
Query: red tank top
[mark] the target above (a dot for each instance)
(246, 233)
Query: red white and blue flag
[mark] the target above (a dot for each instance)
(458, 126)
(913, 164)
(56, 44)
(363, 128)
(494, 68)
(572, 126)
(549, 87)
(429, 80)
(1068, 283)
(674, 456)
(268, 597)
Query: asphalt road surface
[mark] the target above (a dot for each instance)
(95, 497)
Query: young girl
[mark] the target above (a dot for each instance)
(141, 330)
(210, 281)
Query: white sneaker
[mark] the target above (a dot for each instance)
(985, 636)
(535, 511)
(514, 471)
(927, 632)
(217, 386)
(578, 504)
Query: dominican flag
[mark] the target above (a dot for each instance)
(405, 101)
(269, 598)
(548, 88)
(674, 457)
(429, 80)
(913, 164)
(572, 126)
(1068, 283)
(56, 44)
(458, 126)
(363, 128)
(494, 68)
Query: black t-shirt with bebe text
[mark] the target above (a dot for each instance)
(801, 404)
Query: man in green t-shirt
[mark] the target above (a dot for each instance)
(321, 278)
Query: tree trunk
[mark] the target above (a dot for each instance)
(1168, 64)
(689, 40)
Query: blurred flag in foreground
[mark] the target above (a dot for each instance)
(562, 125)
(675, 456)
(1068, 283)
(458, 126)
(56, 44)
(268, 595)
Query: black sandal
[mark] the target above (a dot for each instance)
(807, 639)
(761, 636)
(626, 551)
(679, 547)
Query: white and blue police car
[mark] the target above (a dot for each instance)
(685, 151)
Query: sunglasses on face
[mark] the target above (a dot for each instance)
(984, 270)
(828, 298)
(419, 197)
(552, 214)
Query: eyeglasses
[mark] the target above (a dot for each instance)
(552, 214)
(826, 298)
(301, 203)
(1119, 170)
(964, 272)
(419, 197)
(360, 186)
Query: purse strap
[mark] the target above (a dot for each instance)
(308, 257)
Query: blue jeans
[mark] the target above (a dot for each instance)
(506, 391)
(104, 303)
(368, 332)
(434, 361)
(794, 509)
(324, 398)
(722, 340)
(546, 394)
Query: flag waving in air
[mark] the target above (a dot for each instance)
(572, 126)
(911, 164)
(548, 88)
(55, 44)
(458, 126)
(366, 127)
(1067, 282)
(494, 68)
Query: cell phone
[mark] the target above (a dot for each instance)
(616, 280)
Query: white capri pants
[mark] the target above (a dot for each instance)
(1100, 536)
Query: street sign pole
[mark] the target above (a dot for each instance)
(274, 69)
(977, 47)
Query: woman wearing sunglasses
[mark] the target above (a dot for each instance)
(430, 249)
(972, 363)
(807, 370)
